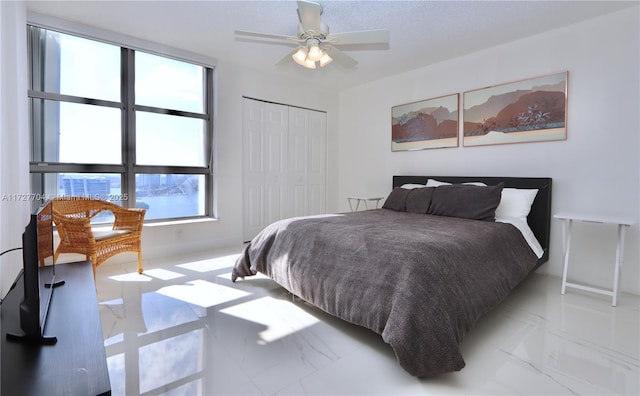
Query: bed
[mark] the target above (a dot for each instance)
(421, 270)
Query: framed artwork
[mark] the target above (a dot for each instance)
(431, 123)
(529, 110)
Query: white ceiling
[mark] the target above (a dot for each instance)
(422, 32)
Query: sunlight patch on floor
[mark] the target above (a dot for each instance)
(117, 301)
(210, 264)
(202, 293)
(281, 318)
(163, 274)
(131, 277)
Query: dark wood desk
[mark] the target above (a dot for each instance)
(77, 363)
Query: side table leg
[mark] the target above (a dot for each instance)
(619, 252)
(566, 239)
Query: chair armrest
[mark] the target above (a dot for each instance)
(73, 229)
(130, 219)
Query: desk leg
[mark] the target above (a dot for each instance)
(566, 244)
(619, 253)
(350, 205)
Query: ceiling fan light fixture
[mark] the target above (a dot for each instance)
(316, 46)
(309, 64)
(325, 60)
(300, 56)
(315, 53)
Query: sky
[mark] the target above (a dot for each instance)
(93, 133)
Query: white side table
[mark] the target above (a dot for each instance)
(622, 223)
(358, 199)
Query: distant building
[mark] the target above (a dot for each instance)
(86, 186)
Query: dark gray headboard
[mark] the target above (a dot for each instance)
(540, 216)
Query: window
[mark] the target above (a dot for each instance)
(119, 124)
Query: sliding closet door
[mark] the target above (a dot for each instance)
(307, 158)
(265, 134)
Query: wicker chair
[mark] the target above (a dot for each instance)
(72, 216)
(45, 233)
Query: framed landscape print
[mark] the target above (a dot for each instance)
(529, 110)
(431, 123)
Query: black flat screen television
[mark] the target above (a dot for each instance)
(39, 282)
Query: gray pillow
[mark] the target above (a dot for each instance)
(418, 200)
(469, 202)
(396, 200)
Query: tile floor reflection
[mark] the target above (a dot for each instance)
(182, 327)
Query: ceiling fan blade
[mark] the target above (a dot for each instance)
(267, 35)
(287, 58)
(380, 36)
(309, 15)
(340, 57)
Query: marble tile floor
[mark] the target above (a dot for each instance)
(183, 328)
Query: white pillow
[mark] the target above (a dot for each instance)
(436, 183)
(526, 232)
(516, 203)
(410, 186)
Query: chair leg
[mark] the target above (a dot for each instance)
(93, 265)
(140, 262)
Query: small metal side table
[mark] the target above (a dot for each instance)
(622, 223)
(358, 199)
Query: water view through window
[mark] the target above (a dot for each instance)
(162, 195)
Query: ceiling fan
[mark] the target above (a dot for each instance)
(316, 46)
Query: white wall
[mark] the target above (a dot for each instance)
(595, 170)
(14, 150)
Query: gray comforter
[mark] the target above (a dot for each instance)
(420, 281)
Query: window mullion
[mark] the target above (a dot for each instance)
(72, 99)
(187, 170)
(128, 125)
(159, 110)
(61, 167)
(209, 142)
